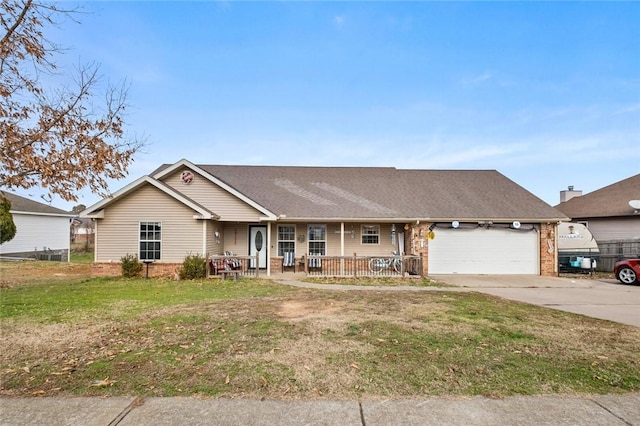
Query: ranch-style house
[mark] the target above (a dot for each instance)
(341, 221)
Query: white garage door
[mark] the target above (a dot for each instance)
(483, 251)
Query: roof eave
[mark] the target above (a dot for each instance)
(42, 214)
(419, 219)
(97, 210)
(97, 215)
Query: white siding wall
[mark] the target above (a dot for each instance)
(118, 232)
(35, 231)
(214, 198)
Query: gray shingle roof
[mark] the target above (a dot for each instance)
(384, 193)
(610, 201)
(22, 204)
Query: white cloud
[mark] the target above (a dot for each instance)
(628, 109)
(477, 79)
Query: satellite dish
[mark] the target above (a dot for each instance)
(635, 204)
(516, 224)
(455, 224)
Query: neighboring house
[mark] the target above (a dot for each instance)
(470, 221)
(82, 231)
(42, 231)
(611, 217)
(606, 212)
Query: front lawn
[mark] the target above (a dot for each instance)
(70, 335)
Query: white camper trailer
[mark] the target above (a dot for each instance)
(577, 249)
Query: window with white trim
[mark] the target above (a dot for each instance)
(370, 234)
(317, 240)
(286, 239)
(150, 240)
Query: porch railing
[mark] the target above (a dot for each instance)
(245, 265)
(363, 266)
(323, 266)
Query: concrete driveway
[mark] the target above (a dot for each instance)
(604, 299)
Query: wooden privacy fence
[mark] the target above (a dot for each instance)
(613, 251)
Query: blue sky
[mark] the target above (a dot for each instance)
(546, 93)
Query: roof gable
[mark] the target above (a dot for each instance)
(227, 206)
(166, 170)
(95, 210)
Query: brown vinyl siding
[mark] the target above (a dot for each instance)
(351, 245)
(333, 240)
(214, 198)
(236, 238)
(118, 232)
(212, 246)
(354, 245)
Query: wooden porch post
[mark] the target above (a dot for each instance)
(354, 266)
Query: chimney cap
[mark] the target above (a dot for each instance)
(570, 187)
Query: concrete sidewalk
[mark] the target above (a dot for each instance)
(521, 410)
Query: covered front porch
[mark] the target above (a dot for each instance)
(316, 266)
(346, 249)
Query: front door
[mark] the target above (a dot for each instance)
(258, 245)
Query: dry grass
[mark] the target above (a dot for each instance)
(379, 281)
(32, 272)
(294, 343)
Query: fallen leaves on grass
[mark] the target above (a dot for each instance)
(101, 383)
(310, 344)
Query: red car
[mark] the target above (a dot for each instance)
(628, 271)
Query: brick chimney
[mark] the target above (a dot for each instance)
(569, 193)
